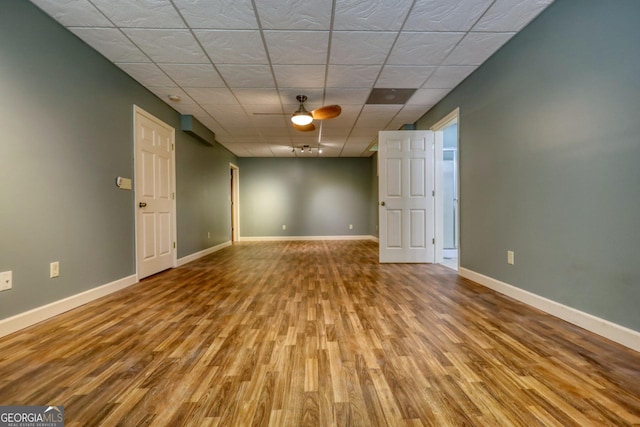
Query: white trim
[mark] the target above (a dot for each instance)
(438, 129)
(187, 259)
(620, 334)
(452, 117)
(38, 314)
(286, 238)
(235, 199)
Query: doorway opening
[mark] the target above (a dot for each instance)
(447, 191)
(234, 185)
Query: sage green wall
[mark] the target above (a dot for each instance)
(311, 196)
(550, 159)
(66, 115)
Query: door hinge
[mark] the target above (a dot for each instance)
(433, 241)
(173, 147)
(173, 196)
(433, 193)
(174, 245)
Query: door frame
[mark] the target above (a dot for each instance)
(438, 129)
(174, 229)
(234, 199)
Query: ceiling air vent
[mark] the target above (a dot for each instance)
(390, 96)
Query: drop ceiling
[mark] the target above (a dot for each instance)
(230, 59)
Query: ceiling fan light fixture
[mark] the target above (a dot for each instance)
(301, 117)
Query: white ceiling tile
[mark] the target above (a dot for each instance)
(304, 138)
(410, 113)
(510, 15)
(362, 132)
(193, 75)
(74, 13)
(299, 75)
(147, 74)
(242, 131)
(360, 47)
(111, 43)
(448, 77)
(333, 137)
(205, 95)
(281, 150)
(219, 65)
(230, 14)
(271, 133)
(171, 46)
(238, 150)
(427, 97)
(257, 96)
(396, 124)
(233, 47)
(275, 121)
(355, 147)
(141, 13)
(377, 115)
(231, 116)
(383, 15)
(192, 109)
(297, 47)
(352, 76)
(345, 120)
(247, 75)
(288, 97)
(270, 109)
(342, 96)
(403, 76)
(423, 48)
(163, 93)
(210, 122)
(295, 14)
(445, 15)
(260, 151)
(475, 48)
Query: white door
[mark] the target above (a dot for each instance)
(155, 194)
(405, 190)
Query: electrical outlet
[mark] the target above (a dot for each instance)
(350, 226)
(510, 257)
(6, 280)
(54, 269)
(284, 227)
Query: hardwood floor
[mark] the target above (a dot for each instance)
(318, 334)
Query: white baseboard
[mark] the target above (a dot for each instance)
(184, 260)
(620, 334)
(31, 317)
(296, 238)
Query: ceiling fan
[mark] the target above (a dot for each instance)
(302, 120)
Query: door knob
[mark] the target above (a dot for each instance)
(142, 204)
(382, 204)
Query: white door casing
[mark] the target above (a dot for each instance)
(405, 187)
(154, 194)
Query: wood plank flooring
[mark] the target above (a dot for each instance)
(317, 334)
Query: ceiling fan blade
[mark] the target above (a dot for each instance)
(306, 128)
(326, 112)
